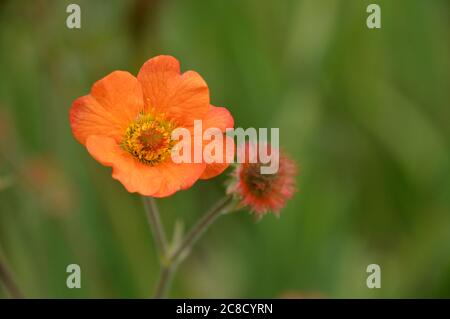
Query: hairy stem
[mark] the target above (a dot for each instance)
(202, 225)
(169, 268)
(164, 280)
(156, 225)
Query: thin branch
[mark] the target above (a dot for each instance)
(169, 263)
(155, 224)
(199, 228)
(164, 281)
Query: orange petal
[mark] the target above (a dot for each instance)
(160, 180)
(135, 176)
(178, 177)
(113, 103)
(218, 117)
(214, 169)
(181, 97)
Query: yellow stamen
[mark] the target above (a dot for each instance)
(148, 139)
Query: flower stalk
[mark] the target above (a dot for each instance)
(170, 261)
(156, 226)
(202, 225)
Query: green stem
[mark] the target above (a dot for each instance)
(164, 280)
(156, 225)
(171, 264)
(202, 225)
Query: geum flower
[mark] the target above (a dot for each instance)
(262, 193)
(126, 123)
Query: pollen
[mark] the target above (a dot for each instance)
(148, 139)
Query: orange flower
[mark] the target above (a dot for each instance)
(126, 123)
(262, 192)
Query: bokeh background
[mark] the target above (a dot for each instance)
(364, 112)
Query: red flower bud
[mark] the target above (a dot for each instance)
(263, 192)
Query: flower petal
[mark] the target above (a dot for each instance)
(160, 180)
(181, 97)
(214, 169)
(178, 177)
(218, 117)
(113, 103)
(135, 176)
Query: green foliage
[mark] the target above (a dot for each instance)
(364, 112)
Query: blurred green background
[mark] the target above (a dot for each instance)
(364, 112)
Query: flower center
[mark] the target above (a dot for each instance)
(258, 184)
(148, 139)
